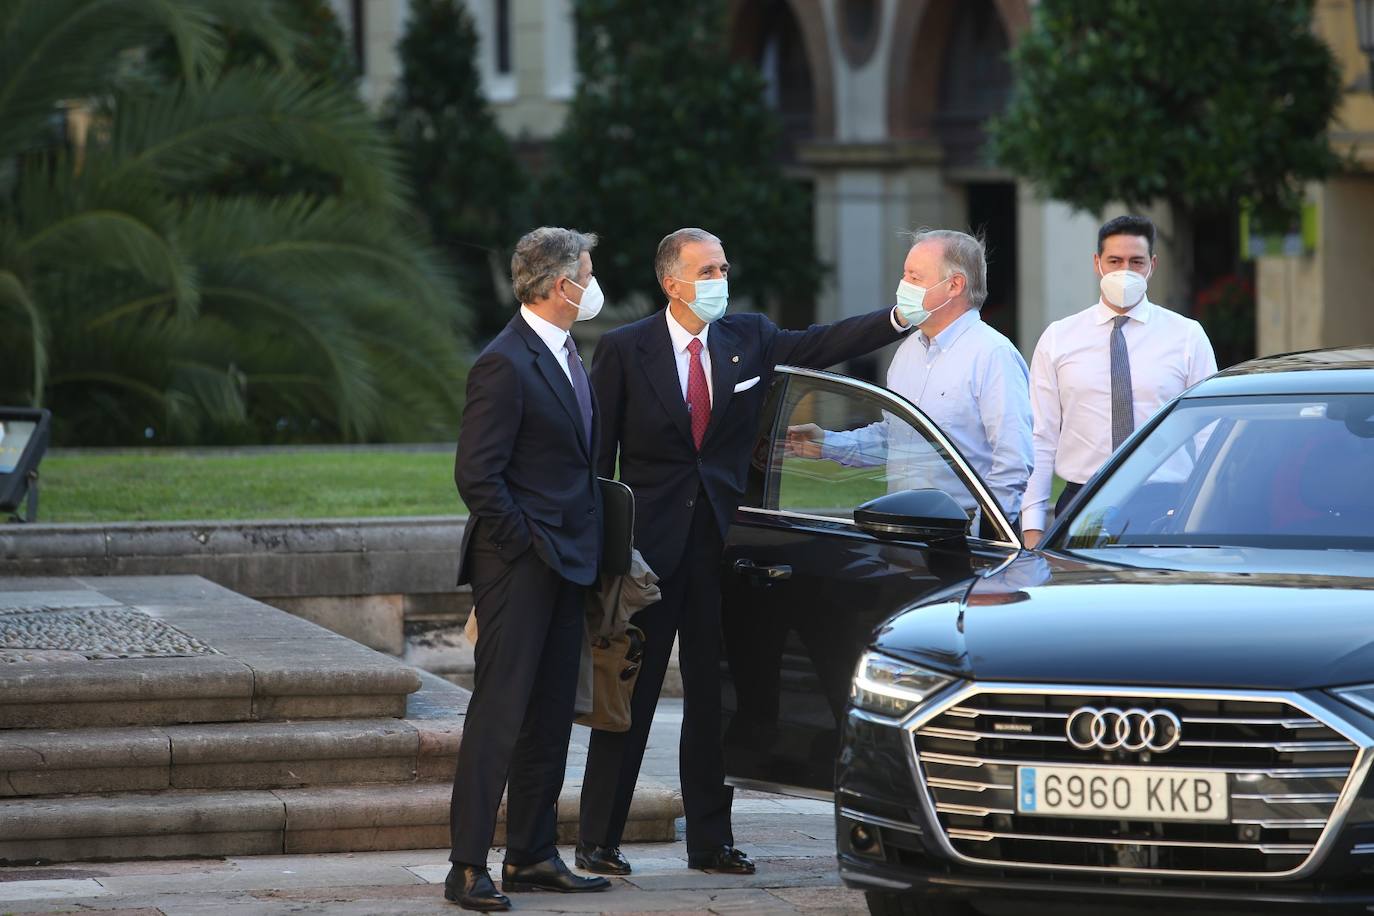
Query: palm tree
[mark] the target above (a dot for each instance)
(137, 294)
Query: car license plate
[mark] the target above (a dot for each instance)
(1126, 793)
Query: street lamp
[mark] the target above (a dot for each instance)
(24, 433)
(1364, 33)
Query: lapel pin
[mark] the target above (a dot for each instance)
(734, 359)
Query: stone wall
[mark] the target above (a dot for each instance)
(386, 582)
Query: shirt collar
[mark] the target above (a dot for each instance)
(946, 338)
(552, 335)
(681, 336)
(1103, 313)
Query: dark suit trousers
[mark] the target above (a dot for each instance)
(1066, 497)
(519, 720)
(690, 610)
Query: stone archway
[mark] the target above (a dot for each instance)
(794, 32)
(948, 74)
(922, 35)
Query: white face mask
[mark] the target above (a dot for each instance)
(1124, 289)
(911, 302)
(592, 300)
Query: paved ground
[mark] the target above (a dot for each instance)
(791, 839)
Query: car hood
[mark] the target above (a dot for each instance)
(1205, 618)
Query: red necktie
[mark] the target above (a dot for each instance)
(698, 395)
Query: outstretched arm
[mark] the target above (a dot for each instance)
(824, 345)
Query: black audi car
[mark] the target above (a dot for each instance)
(1171, 702)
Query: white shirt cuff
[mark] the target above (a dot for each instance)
(1033, 519)
(892, 316)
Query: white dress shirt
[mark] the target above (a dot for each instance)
(1071, 388)
(681, 339)
(553, 337)
(972, 383)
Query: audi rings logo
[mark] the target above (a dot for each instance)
(1133, 729)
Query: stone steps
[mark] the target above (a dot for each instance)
(254, 663)
(255, 788)
(224, 756)
(241, 755)
(180, 823)
(257, 733)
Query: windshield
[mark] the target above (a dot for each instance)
(1285, 472)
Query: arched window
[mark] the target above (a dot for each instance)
(975, 81)
(859, 20)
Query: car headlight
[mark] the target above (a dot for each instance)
(1362, 698)
(890, 687)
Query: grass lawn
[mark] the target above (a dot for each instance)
(325, 483)
(288, 484)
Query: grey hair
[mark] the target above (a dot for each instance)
(669, 255)
(962, 254)
(542, 256)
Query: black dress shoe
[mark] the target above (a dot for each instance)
(549, 875)
(726, 860)
(603, 860)
(471, 888)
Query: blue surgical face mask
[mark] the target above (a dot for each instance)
(712, 297)
(911, 302)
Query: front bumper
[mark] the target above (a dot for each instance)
(900, 848)
(899, 862)
(938, 882)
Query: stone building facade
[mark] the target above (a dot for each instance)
(883, 104)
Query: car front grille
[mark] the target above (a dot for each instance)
(1285, 772)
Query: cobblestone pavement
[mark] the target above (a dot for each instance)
(791, 839)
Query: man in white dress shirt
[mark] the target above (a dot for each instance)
(968, 378)
(1098, 374)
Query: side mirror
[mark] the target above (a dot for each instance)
(924, 515)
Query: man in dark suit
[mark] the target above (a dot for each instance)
(681, 392)
(526, 468)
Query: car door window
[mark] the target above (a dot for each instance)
(837, 446)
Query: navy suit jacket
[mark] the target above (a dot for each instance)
(645, 419)
(524, 466)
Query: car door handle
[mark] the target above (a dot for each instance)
(753, 570)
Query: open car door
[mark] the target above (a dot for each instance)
(808, 578)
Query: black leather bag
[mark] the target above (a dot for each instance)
(618, 526)
(626, 585)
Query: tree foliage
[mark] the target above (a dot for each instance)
(312, 43)
(140, 292)
(666, 131)
(1206, 104)
(456, 152)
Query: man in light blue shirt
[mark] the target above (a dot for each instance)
(968, 378)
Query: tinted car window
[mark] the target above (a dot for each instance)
(836, 448)
(1276, 471)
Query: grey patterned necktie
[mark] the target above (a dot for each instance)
(580, 386)
(1123, 407)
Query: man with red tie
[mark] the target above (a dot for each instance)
(680, 394)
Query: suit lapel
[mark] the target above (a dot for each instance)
(660, 365)
(553, 374)
(725, 368)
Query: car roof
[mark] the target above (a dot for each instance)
(1336, 370)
